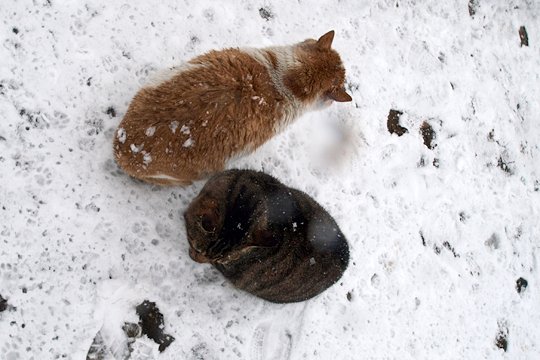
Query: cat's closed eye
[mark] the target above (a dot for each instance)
(208, 223)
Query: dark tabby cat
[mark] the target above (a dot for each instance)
(266, 238)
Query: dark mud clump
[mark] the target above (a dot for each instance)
(504, 165)
(111, 111)
(3, 304)
(523, 37)
(423, 238)
(501, 341)
(450, 248)
(34, 119)
(521, 285)
(473, 6)
(266, 14)
(393, 123)
(428, 134)
(151, 322)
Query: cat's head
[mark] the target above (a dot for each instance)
(317, 76)
(227, 221)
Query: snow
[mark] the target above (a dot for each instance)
(135, 148)
(185, 130)
(147, 158)
(121, 134)
(436, 250)
(173, 126)
(150, 131)
(188, 143)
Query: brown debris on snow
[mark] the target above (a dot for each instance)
(3, 304)
(152, 324)
(428, 134)
(501, 341)
(473, 5)
(521, 285)
(523, 37)
(393, 123)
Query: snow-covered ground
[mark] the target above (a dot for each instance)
(439, 237)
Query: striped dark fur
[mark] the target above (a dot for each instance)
(266, 238)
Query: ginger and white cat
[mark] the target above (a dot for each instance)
(224, 104)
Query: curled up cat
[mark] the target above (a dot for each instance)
(270, 240)
(222, 105)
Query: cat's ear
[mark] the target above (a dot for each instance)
(325, 41)
(339, 95)
(264, 238)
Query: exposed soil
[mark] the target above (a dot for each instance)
(266, 14)
(523, 37)
(111, 111)
(428, 134)
(423, 238)
(393, 123)
(501, 340)
(503, 165)
(521, 285)
(473, 6)
(448, 246)
(3, 304)
(152, 324)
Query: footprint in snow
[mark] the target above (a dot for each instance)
(269, 343)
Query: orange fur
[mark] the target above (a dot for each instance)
(220, 105)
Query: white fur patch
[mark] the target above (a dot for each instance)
(163, 177)
(285, 60)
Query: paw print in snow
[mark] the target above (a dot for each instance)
(140, 229)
